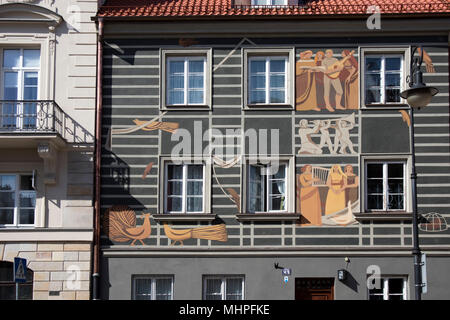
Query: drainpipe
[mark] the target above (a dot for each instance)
(97, 163)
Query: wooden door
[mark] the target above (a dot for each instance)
(314, 288)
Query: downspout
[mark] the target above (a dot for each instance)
(97, 163)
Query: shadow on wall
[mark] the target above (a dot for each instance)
(351, 282)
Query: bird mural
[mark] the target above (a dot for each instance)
(216, 232)
(119, 223)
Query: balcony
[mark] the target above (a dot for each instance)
(24, 123)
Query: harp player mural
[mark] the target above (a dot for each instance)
(327, 196)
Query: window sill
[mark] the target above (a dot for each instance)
(184, 217)
(383, 216)
(384, 106)
(267, 216)
(193, 107)
(268, 107)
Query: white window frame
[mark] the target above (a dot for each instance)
(153, 284)
(186, 73)
(270, 4)
(405, 53)
(385, 294)
(17, 206)
(289, 186)
(184, 192)
(167, 55)
(21, 70)
(269, 53)
(385, 184)
(267, 60)
(223, 288)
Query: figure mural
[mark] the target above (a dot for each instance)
(341, 144)
(327, 196)
(326, 82)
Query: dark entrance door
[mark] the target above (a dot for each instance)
(314, 288)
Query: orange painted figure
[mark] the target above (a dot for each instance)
(336, 183)
(309, 198)
(351, 185)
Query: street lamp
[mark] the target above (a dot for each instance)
(418, 95)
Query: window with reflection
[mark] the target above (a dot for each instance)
(385, 186)
(383, 78)
(392, 288)
(152, 288)
(185, 186)
(20, 81)
(17, 200)
(266, 188)
(223, 288)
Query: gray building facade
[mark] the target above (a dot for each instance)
(191, 207)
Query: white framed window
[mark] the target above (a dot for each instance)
(20, 81)
(268, 78)
(17, 200)
(184, 188)
(269, 2)
(223, 288)
(385, 185)
(185, 79)
(383, 78)
(390, 288)
(267, 187)
(384, 71)
(152, 287)
(267, 82)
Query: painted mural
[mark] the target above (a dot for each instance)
(216, 232)
(324, 82)
(327, 196)
(341, 143)
(433, 222)
(119, 222)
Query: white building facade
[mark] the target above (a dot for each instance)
(47, 121)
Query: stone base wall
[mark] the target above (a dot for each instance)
(61, 270)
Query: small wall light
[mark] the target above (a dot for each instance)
(342, 274)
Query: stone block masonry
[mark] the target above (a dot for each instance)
(61, 271)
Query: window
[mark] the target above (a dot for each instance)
(185, 79)
(185, 188)
(20, 78)
(223, 288)
(8, 286)
(267, 80)
(267, 189)
(390, 289)
(383, 78)
(152, 288)
(17, 200)
(269, 2)
(385, 186)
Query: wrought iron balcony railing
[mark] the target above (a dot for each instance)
(31, 116)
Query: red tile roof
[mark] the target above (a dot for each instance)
(222, 8)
